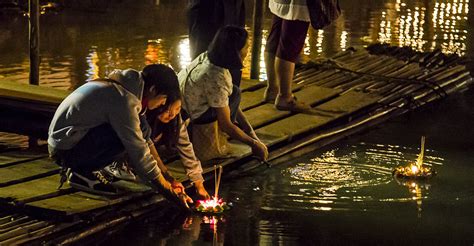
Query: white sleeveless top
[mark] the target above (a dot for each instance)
(290, 9)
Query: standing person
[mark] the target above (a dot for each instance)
(168, 129)
(206, 17)
(284, 43)
(208, 92)
(100, 121)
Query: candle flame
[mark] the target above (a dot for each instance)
(417, 169)
(414, 169)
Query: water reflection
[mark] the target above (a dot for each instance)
(416, 189)
(184, 52)
(422, 25)
(426, 25)
(339, 195)
(340, 179)
(179, 230)
(93, 62)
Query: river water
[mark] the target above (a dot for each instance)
(343, 194)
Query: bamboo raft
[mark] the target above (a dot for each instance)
(350, 92)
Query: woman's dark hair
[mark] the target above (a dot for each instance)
(162, 77)
(224, 50)
(170, 130)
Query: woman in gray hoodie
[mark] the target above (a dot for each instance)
(104, 118)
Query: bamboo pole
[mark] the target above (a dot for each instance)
(33, 9)
(256, 38)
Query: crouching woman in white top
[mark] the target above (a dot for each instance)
(208, 91)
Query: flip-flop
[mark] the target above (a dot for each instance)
(293, 105)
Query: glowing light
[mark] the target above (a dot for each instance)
(407, 26)
(214, 205)
(93, 62)
(184, 52)
(414, 169)
(319, 41)
(151, 54)
(307, 48)
(343, 43)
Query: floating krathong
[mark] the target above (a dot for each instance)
(415, 170)
(215, 204)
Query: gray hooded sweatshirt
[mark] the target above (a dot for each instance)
(96, 103)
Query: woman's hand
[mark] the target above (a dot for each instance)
(178, 189)
(260, 150)
(184, 199)
(200, 190)
(177, 186)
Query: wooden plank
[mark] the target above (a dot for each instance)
(264, 114)
(72, 203)
(349, 102)
(12, 157)
(250, 84)
(35, 188)
(32, 93)
(251, 98)
(312, 95)
(81, 202)
(309, 94)
(291, 126)
(301, 123)
(76, 203)
(315, 95)
(39, 108)
(27, 171)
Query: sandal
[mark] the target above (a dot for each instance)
(293, 105)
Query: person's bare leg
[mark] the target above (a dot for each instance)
(284, 76)
(273, 88)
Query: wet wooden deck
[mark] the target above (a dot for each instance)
(349, 92)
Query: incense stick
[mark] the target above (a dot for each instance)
(218, 181)
(419, 162)
(215, 181)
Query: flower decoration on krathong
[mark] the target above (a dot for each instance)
(415, 170)
(215, 204)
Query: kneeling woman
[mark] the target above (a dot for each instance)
(208, 90)
(168, 129)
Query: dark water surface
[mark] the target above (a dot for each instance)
(76, 45)
(343, 194)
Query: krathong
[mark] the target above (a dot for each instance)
(212, 205)
(415, 170)
(215, 204)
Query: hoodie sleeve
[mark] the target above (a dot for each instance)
(190, 162)
(125, 121)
